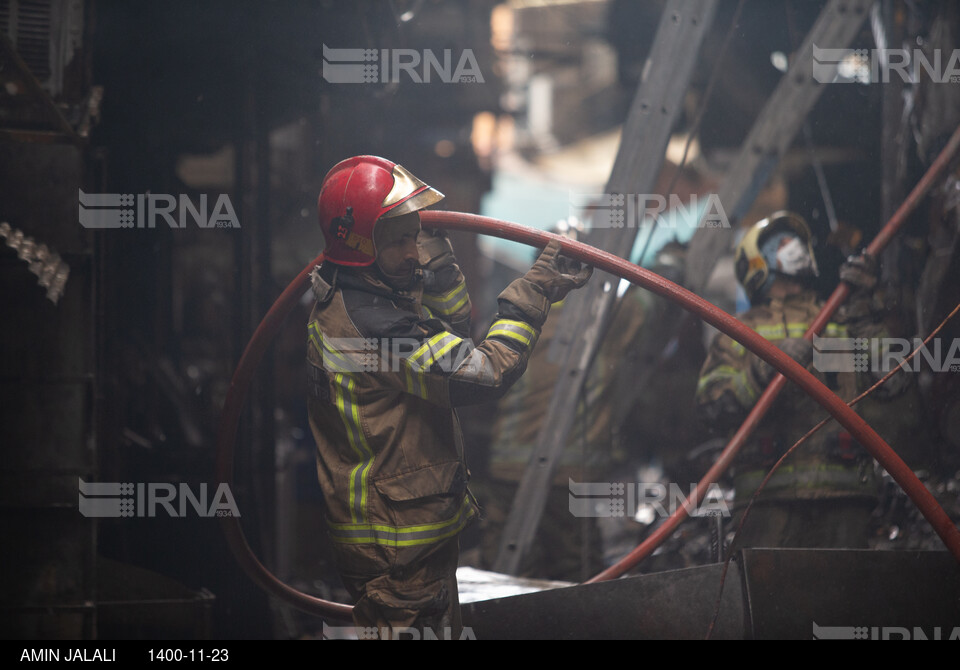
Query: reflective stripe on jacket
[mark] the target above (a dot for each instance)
(728, 389)
(386, 374)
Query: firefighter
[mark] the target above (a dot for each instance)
(823, 495)
(389, 359)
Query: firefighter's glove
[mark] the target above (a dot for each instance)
(556, 275)
(437, 261)
(860, 272)
(862, 306)
(797, 348)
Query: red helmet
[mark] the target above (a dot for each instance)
(356, 193)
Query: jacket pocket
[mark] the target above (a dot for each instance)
(442, 479)
(426, 507)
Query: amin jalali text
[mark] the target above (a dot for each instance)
(68, 654)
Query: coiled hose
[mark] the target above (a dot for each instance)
(602, 260)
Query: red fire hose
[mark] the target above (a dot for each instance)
(227, 437)
(614, 265)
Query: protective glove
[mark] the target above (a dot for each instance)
(437, 261)
(556, 275)
(797, 348)
(435, 249)
(860, 271)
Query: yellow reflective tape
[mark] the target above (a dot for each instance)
(313, 332)
(415, 383)
(411, 359)
(404, 543)
(345, 390)
(444, 349)
(519, 324)
(771, 332)
(511, 334)
(414, 370)
(364, 466)
(512, 329)
(424, 349)
(333, 359)
(741, 387)
(413, 376)
(419, 359)
(449, 302)
(460, 303)
(402, 529)
(385, 535)
(835, 330)
(445, 297)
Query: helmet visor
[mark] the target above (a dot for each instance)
(408, 194)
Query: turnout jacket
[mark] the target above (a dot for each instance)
(387, 369)
(830, 464)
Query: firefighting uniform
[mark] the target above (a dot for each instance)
(823, 494)
(387, 368)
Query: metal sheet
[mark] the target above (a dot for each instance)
(806, 594)
(673, 605)
(770, 594)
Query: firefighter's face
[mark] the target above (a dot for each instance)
(397, 253)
